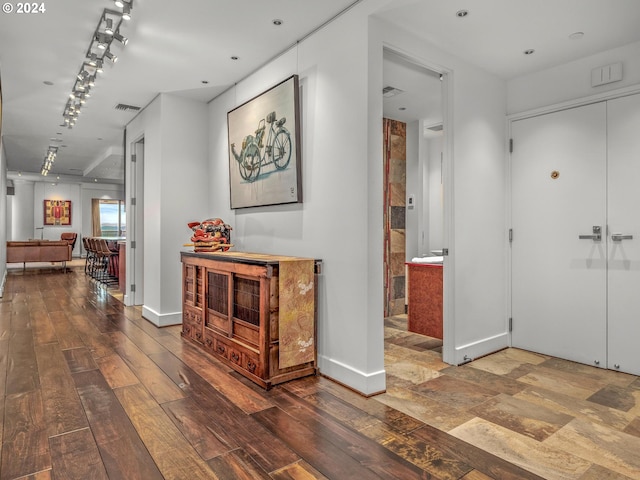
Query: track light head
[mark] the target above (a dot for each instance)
(111, 56)
(119, 3)
(103, 41)
(126, 12)
(108, 29)
(120, 38)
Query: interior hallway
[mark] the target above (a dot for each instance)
(92, 390)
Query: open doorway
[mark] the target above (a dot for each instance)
(413, 206)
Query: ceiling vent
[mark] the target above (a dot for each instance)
(435, 128)
(391, 91)
(127, 108)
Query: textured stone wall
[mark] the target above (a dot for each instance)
(395, 179)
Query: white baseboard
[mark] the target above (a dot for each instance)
(365, 383)
(161, 320)
(471, 351)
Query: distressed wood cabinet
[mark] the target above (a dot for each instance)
(232, 305)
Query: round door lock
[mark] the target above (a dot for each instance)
(555, 174)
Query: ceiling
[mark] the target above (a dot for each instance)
(177, 47)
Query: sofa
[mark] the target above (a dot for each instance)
(39, 251)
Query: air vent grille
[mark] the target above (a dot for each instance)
(435, 128)
(391, 91)
(127, 108)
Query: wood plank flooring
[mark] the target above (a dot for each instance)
(91, 390)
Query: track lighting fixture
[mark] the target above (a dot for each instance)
(49, 158)
(106, 31)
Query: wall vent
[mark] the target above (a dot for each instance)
(435, 128)
(391, 91)
(127, 108)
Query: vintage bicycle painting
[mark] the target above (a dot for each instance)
(264, 148)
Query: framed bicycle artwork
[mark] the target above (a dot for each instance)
(264, 148)
(57, 212)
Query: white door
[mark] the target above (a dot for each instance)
(623, 123)
(559, 302)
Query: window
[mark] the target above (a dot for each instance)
(109, 219)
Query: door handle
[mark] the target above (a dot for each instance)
(597, 234)
(616, 237)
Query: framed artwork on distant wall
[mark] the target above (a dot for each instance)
(57, 212)
(264, 148)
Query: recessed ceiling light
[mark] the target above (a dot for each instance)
(235, 58)
(462, 13)
(277, 22)
(529, 51)
(576, 35)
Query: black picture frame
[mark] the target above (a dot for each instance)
(264, 148)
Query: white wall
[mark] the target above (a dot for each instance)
(176, 192)
(22, 226)
(413, 187)
(334, 222)
(434, 194)
(572, 80)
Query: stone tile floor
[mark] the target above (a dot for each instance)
(553, 417)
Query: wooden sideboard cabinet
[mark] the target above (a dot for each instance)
(255, 312)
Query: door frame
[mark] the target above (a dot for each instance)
(135, 224)
(556, 107)
(448, 234)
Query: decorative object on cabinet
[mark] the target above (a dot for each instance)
(57, 212)
(210, 235)
(255, 312)
(267, 168)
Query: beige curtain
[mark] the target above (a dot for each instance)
(95, 217)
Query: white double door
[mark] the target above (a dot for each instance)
(576, 234)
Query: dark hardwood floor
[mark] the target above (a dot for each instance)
(94, 391)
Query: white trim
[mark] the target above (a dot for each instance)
(161, 320)
(578, 102)
(365, 383)
(480, 348)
